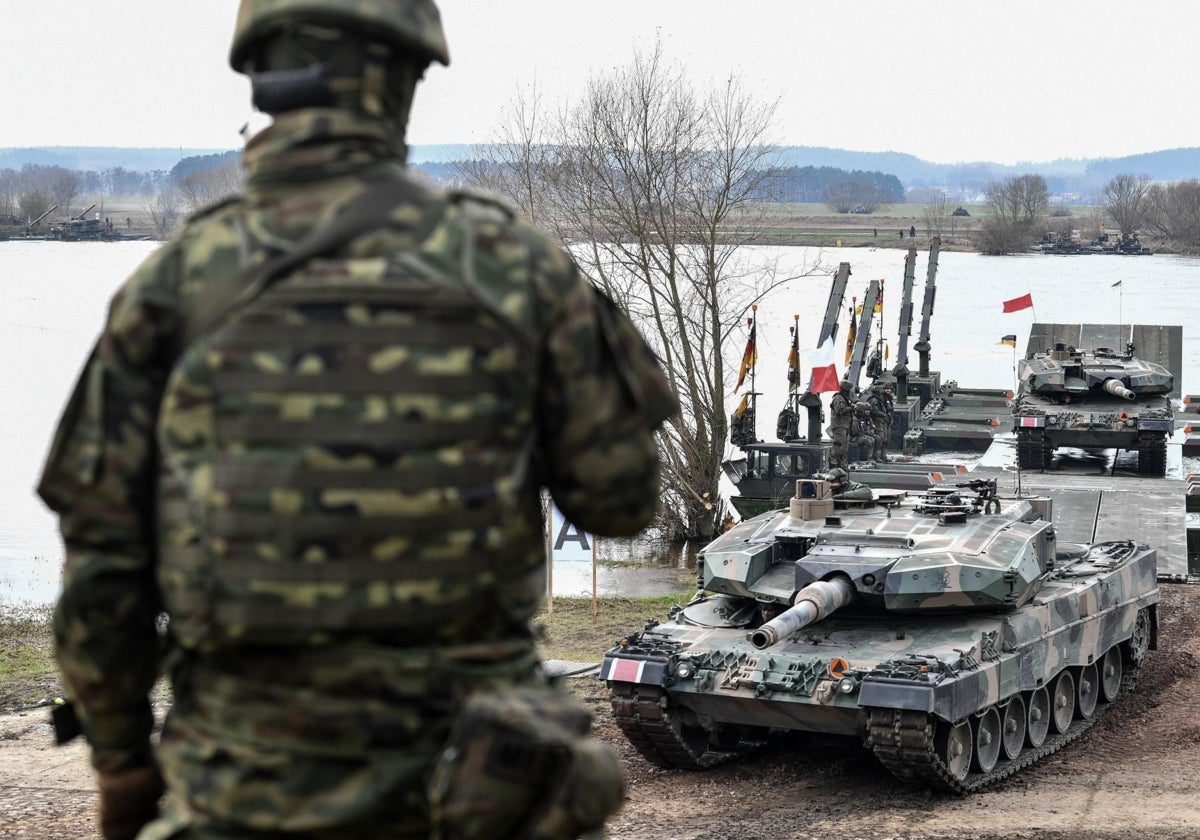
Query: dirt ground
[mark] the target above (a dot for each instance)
(1135, 774)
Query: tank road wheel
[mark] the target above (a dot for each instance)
(1039, 717)
(953, 745)
(1111, 671)
(1087, 690)
(988, 730)
(1062, 702)
(1013, 726)
(1152, 455)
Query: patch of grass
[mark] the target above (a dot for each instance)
(28, 674)
(27, 671)
(574, 634)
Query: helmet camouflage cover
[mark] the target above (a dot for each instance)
(414, 25)
(837, 474)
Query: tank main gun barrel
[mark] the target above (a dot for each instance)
(1114, 387)
(811, 604)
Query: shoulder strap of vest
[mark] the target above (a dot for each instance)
(368, 211)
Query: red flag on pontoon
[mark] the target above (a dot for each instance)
(1017, 304)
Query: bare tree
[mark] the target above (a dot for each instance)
(1126, 202)
(63, 185)
(206, 187)
(8, 193)
(1174, 211)
(1017, 208)
(936, 213)
(656, 187)
(32, 203)
(519, 165)
(163, 210)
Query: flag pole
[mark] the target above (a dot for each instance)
(1014, 369)
(548, 515)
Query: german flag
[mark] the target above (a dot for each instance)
(1010, 340)
(749, 357)
(794, 358)
(852, 333)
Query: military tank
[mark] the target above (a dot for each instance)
(948, 630)
(1092, 399)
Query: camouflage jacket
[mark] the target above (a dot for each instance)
(853, 491)
(597, 396)
(881, 407)
(840, 410)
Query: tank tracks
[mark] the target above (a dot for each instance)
(655, 727)
(1032, 451)
(1152, 455)
(904, 742)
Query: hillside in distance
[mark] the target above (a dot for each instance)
(1065, 174)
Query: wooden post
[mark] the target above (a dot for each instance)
(549, 519)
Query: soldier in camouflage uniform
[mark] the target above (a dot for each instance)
(328, 475)
(845, 425)
(880, 400)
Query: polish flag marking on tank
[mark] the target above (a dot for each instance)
(623, 670)
(1030, 421)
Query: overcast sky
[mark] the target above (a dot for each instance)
(946, 80)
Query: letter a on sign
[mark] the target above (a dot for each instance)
(568, 533)
(569, 543)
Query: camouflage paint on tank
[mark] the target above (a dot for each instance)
(1092, 399)
(956, 611)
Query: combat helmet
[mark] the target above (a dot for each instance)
(837, 474)
(412, 25)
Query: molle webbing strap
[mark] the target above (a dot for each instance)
(368, 211)
(267, 431)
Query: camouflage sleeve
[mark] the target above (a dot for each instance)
(99, 479)
(604, 396)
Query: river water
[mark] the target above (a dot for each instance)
(55, 296)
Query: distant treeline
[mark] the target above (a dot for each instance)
(811, 184)
(804, 184)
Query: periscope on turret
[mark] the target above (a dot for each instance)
(949, 630)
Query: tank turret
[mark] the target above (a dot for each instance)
(948, 630)
(1092, 399)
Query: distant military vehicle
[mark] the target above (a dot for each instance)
(948, 630)
(1092, 399)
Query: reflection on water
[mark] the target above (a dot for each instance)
(644, 566)
(56, 293)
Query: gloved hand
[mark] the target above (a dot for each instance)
(128, 800)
